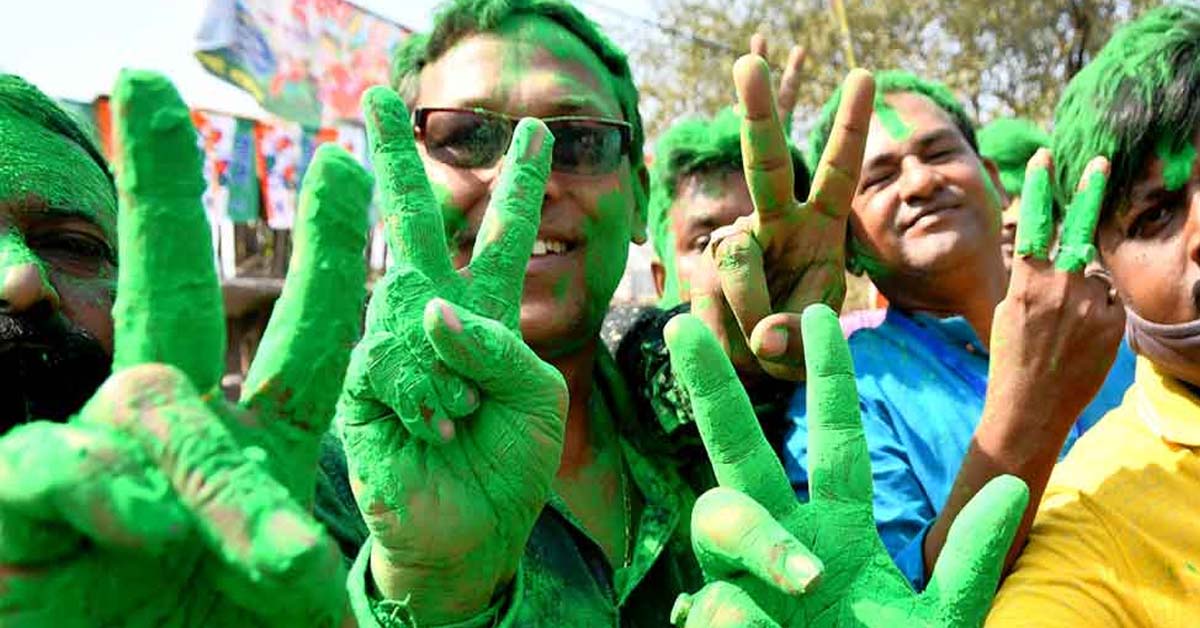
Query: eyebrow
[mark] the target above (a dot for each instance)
(566, 105)
(921, 143)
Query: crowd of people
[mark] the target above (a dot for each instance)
(1010, 443)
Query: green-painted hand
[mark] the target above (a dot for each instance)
(765, 268)
(771, 560)
(161, 504)
(452, 426)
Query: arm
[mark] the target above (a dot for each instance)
(1054, 338)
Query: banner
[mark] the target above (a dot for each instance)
(228, 144)
(305, 60)
(280, 167)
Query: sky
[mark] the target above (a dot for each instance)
(74, 48)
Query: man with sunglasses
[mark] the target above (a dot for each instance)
(493, 497)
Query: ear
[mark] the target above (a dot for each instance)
(659, 273)
(641, 195)
(993, 173)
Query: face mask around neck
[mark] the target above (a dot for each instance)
(1174, 349)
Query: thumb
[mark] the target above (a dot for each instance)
(968, 569)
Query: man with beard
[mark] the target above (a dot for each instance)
(59, 260)
(143, 498)
(1114, 542)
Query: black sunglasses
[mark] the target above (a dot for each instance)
(478, 138)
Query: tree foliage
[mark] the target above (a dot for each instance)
(1001, 57)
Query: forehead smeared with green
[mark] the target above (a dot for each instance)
(457, 19)
(698, 146)
(46, 158)
(891, 82)
(689, 147)
(1137, 100)
(1010, 143)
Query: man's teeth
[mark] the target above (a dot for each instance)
(549, 247)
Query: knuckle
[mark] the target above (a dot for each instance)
(736, 252)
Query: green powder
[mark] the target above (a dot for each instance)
(1177, 162)
(1079, 226)
(889, 118)
(1035, 227)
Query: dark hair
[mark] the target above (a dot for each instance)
(22, 98)
(1010, 143)
(891, 82)
(457, 19)
(1139, 95)
(698, 146)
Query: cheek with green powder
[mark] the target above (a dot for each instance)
(607, 238)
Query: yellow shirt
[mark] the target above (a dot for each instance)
(1116, 541)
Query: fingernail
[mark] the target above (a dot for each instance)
(450, 317)
(445, 427)
(774, 342)
(802, 571)
(680, 610)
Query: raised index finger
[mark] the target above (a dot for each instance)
(510, 224)
(739, 452)
(168, 307)
(766, 160)
(836, 176)
(411, 214)
(839, 466)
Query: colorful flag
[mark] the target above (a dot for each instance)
(280, 155)
(229, 166)
(305, 60)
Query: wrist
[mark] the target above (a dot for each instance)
(446, 595)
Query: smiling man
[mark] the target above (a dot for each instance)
(925, 226)
(57, 259)
(531, 510)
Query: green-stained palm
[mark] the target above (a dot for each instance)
(820, 563)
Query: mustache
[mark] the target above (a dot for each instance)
(48, 367)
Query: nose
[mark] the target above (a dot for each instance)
(24, 283)
(918, 181)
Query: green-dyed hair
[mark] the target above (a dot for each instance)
(456, 19)
(1010, 143)
(1142, 89)
(698, 146)
(892, 82)
(22, 98)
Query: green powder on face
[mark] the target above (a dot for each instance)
(15, 258)
(889, 118)
(1177, 162)
(49, 171)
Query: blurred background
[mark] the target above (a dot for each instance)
(269, 80)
